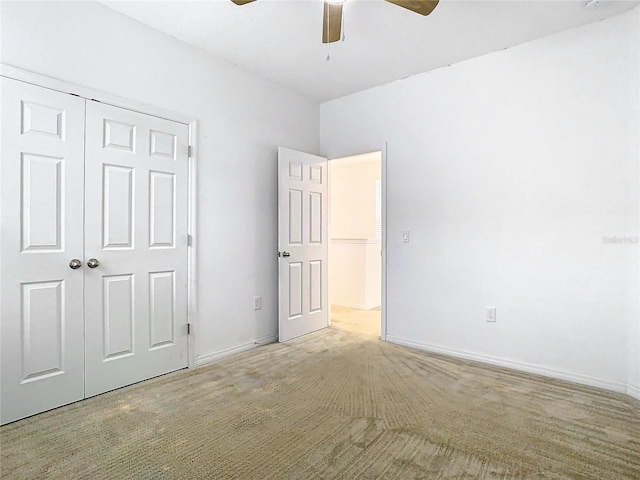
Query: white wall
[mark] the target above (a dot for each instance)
(634, 125)
(508, 170)
(353, 197)
(242, 120)
(354, 252)
(355, 273)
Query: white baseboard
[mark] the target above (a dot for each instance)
(211, 357)
(633, 390)
(619, 387)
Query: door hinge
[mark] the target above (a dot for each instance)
(189, 151)
(188, 329)
(189, 241)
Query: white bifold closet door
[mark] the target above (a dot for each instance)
(106, 188)
(41, 208)
(136, 172)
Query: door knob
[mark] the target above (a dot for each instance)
(93, 263)
(286, 254)
(75, 264)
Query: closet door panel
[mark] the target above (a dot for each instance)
(135, 227)
(41, 184)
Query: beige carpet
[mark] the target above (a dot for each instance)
(333, 405)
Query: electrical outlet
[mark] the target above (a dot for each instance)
(257, 303)
(491, 314)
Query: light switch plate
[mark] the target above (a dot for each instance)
(405, 236)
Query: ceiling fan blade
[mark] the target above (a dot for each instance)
(423, 7)
(332, 22)
(242, 2)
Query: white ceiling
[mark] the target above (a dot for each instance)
(280, 40)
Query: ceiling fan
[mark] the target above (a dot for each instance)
(332, 18)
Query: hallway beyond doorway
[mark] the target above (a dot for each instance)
(354, 320)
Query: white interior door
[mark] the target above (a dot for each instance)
(136, 228)
(41, 183)
(302, 243)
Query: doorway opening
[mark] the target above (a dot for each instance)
(355, 243)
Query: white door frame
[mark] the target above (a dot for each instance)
(383, 240)
(92, 94)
